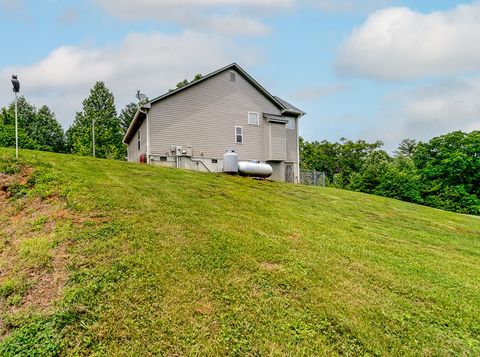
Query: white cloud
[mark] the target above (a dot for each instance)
(427, 111)
(398, 43)
(230, 17)
(151, 62)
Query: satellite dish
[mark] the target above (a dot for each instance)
(140, 96)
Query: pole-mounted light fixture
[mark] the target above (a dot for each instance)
(16, 89)
(16, 83)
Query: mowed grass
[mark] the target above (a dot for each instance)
(164, 261)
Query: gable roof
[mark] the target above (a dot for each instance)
(283, 105)
(290, 107)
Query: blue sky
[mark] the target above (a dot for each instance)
(371, 69)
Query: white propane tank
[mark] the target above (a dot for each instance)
(230, 162)
(254, 169)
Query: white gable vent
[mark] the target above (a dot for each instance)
(232, 76)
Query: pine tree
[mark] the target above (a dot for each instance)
(406, 148)
(126, 116)
(98, 110)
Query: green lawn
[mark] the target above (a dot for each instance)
(110, 258)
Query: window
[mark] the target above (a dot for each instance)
(138, 141)
(253, 118)
(291, 123)
(232, 76)
(239, 134)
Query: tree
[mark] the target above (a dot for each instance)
(406, 148)
(443, 173)
(7, 138)
(46, 131)
(38, 130)
(338, 160)
(128, 113)
(98, 110)
(26, 114)
(126, 116)
(185, 82)
(449, 167)
(369, 176)
(400, 180)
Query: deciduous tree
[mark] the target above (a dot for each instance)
(98, 110)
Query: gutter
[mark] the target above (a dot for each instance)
(146, 112)
(298, 146)
(134, 122)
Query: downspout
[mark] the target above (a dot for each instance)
(148, 132)
(297, 127)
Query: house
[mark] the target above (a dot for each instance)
(192, 127)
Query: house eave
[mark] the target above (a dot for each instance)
(135, 124)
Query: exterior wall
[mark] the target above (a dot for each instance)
(292, 143)
(133, 152)
(278, 137)
(205, 115)
(278, 171)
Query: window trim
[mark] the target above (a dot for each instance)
(290, 120)
(243, 140)
(258, 118)
(139, 140)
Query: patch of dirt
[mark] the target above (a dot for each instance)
(295, 237)
(204, 308)
(6, 180)
(270, 266)
(48, 285)
(22, 219)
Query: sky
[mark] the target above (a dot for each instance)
(367, 69)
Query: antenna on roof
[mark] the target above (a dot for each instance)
(140, 96)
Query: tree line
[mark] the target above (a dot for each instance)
(442, 173)
(39, 129)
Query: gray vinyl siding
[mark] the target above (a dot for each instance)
(205, 117)
(277, 142)
(292, 143)
(133, 152)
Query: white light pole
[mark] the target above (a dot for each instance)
(16, 89)
(93, 135)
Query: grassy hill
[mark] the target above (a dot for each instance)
(110, 258)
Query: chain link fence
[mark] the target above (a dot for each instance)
(312, 178)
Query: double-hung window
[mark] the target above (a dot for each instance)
(253, 118)
(291, 123)
(139, 142)
(239, 134)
